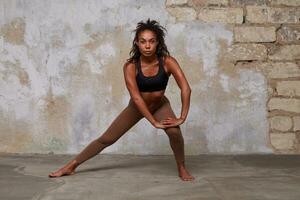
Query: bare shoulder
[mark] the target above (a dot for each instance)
(129, 69)
(129, 66)
(171, 64)
(170, 60)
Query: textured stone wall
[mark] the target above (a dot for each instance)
(266, 39)
(61, 80)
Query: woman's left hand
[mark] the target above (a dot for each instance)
(172, 122)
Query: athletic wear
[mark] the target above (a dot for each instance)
(127, 119)
(152, 83)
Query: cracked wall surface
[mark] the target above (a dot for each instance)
(61, 80)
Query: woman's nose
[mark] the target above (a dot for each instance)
(147, 45)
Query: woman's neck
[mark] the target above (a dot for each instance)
(148, 59)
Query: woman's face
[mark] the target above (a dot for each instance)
(147, 43)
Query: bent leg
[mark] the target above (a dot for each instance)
(176, 139)
(174, 133)
(126, 119)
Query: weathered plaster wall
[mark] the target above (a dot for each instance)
(61, 80)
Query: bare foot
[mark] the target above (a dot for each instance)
(67, 170)
(185, 175)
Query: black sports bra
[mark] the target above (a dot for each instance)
(152, 83)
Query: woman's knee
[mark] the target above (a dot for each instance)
(174, 133)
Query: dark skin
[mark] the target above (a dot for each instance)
(145, 101)
(147, 44)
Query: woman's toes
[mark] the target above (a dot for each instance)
(61, 172)
(51, 175)
(187, 178)
(55, 174)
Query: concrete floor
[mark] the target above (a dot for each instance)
(218, 177)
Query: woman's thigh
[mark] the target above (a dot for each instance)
(163, 112)
(122, 123)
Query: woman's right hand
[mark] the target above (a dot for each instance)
(159, 125)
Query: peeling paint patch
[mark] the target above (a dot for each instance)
(18, 54)
(252, 86)
(202, 42)
(101, 57)
(23, 77)
(224, 82)
(82, 116)
(14, 31)
(243, 125)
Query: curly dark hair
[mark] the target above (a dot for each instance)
(152, 25)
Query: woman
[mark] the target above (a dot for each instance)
(146, 75)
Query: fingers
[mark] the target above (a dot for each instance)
(164, 126)
(171, 125)
(160, 125)
(169, 118)
(168, 121)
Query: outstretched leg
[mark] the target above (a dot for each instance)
(126, 119)
(175, 138)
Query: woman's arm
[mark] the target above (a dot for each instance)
(175, 70)
(129, 75)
